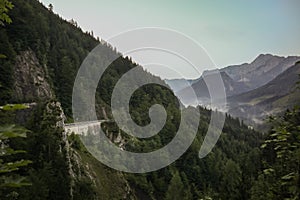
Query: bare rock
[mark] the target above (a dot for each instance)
(30, 79)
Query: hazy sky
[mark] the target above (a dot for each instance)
(231, 31)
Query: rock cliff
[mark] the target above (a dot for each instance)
(31, 79)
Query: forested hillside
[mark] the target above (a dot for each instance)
(59, 46)
(44, 52)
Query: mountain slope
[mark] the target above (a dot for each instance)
(231, 87)
(270, 99)
(238, 78)
(61, 169)
(43, 53)
(262, 70)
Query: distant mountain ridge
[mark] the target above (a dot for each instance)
(271, 99)
(262, 70)
(231, 87)
(253, 89)
(245, 77)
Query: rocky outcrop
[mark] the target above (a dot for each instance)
(31, 79)
(83, 168)
(55, 108)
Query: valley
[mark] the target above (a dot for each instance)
(46, 153)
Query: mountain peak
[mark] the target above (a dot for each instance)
(263, 58)
(265, 55)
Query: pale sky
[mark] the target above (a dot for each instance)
(231, 31)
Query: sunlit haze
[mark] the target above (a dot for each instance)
(232, 32)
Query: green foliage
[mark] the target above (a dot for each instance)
(9, 179)
(228, 172)
(75, 142)
(280, 178)
(84, 190)
(231, 181)
(9, 163)
(49, 171)
(7, 55)
(231, 171)
(175, 189)
(5, 6)
(11, 131)
(13, 107)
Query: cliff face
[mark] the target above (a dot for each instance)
(30, 79)
(36, 42)
(83, 168)
(31, 83)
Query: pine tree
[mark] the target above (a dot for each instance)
(176, 188)
(231, 181)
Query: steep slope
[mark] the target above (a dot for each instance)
(270, 99)
(262, 70)
(30, 79)
(61, 169)
(238, 78)
(43, 53)
(52, 45)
